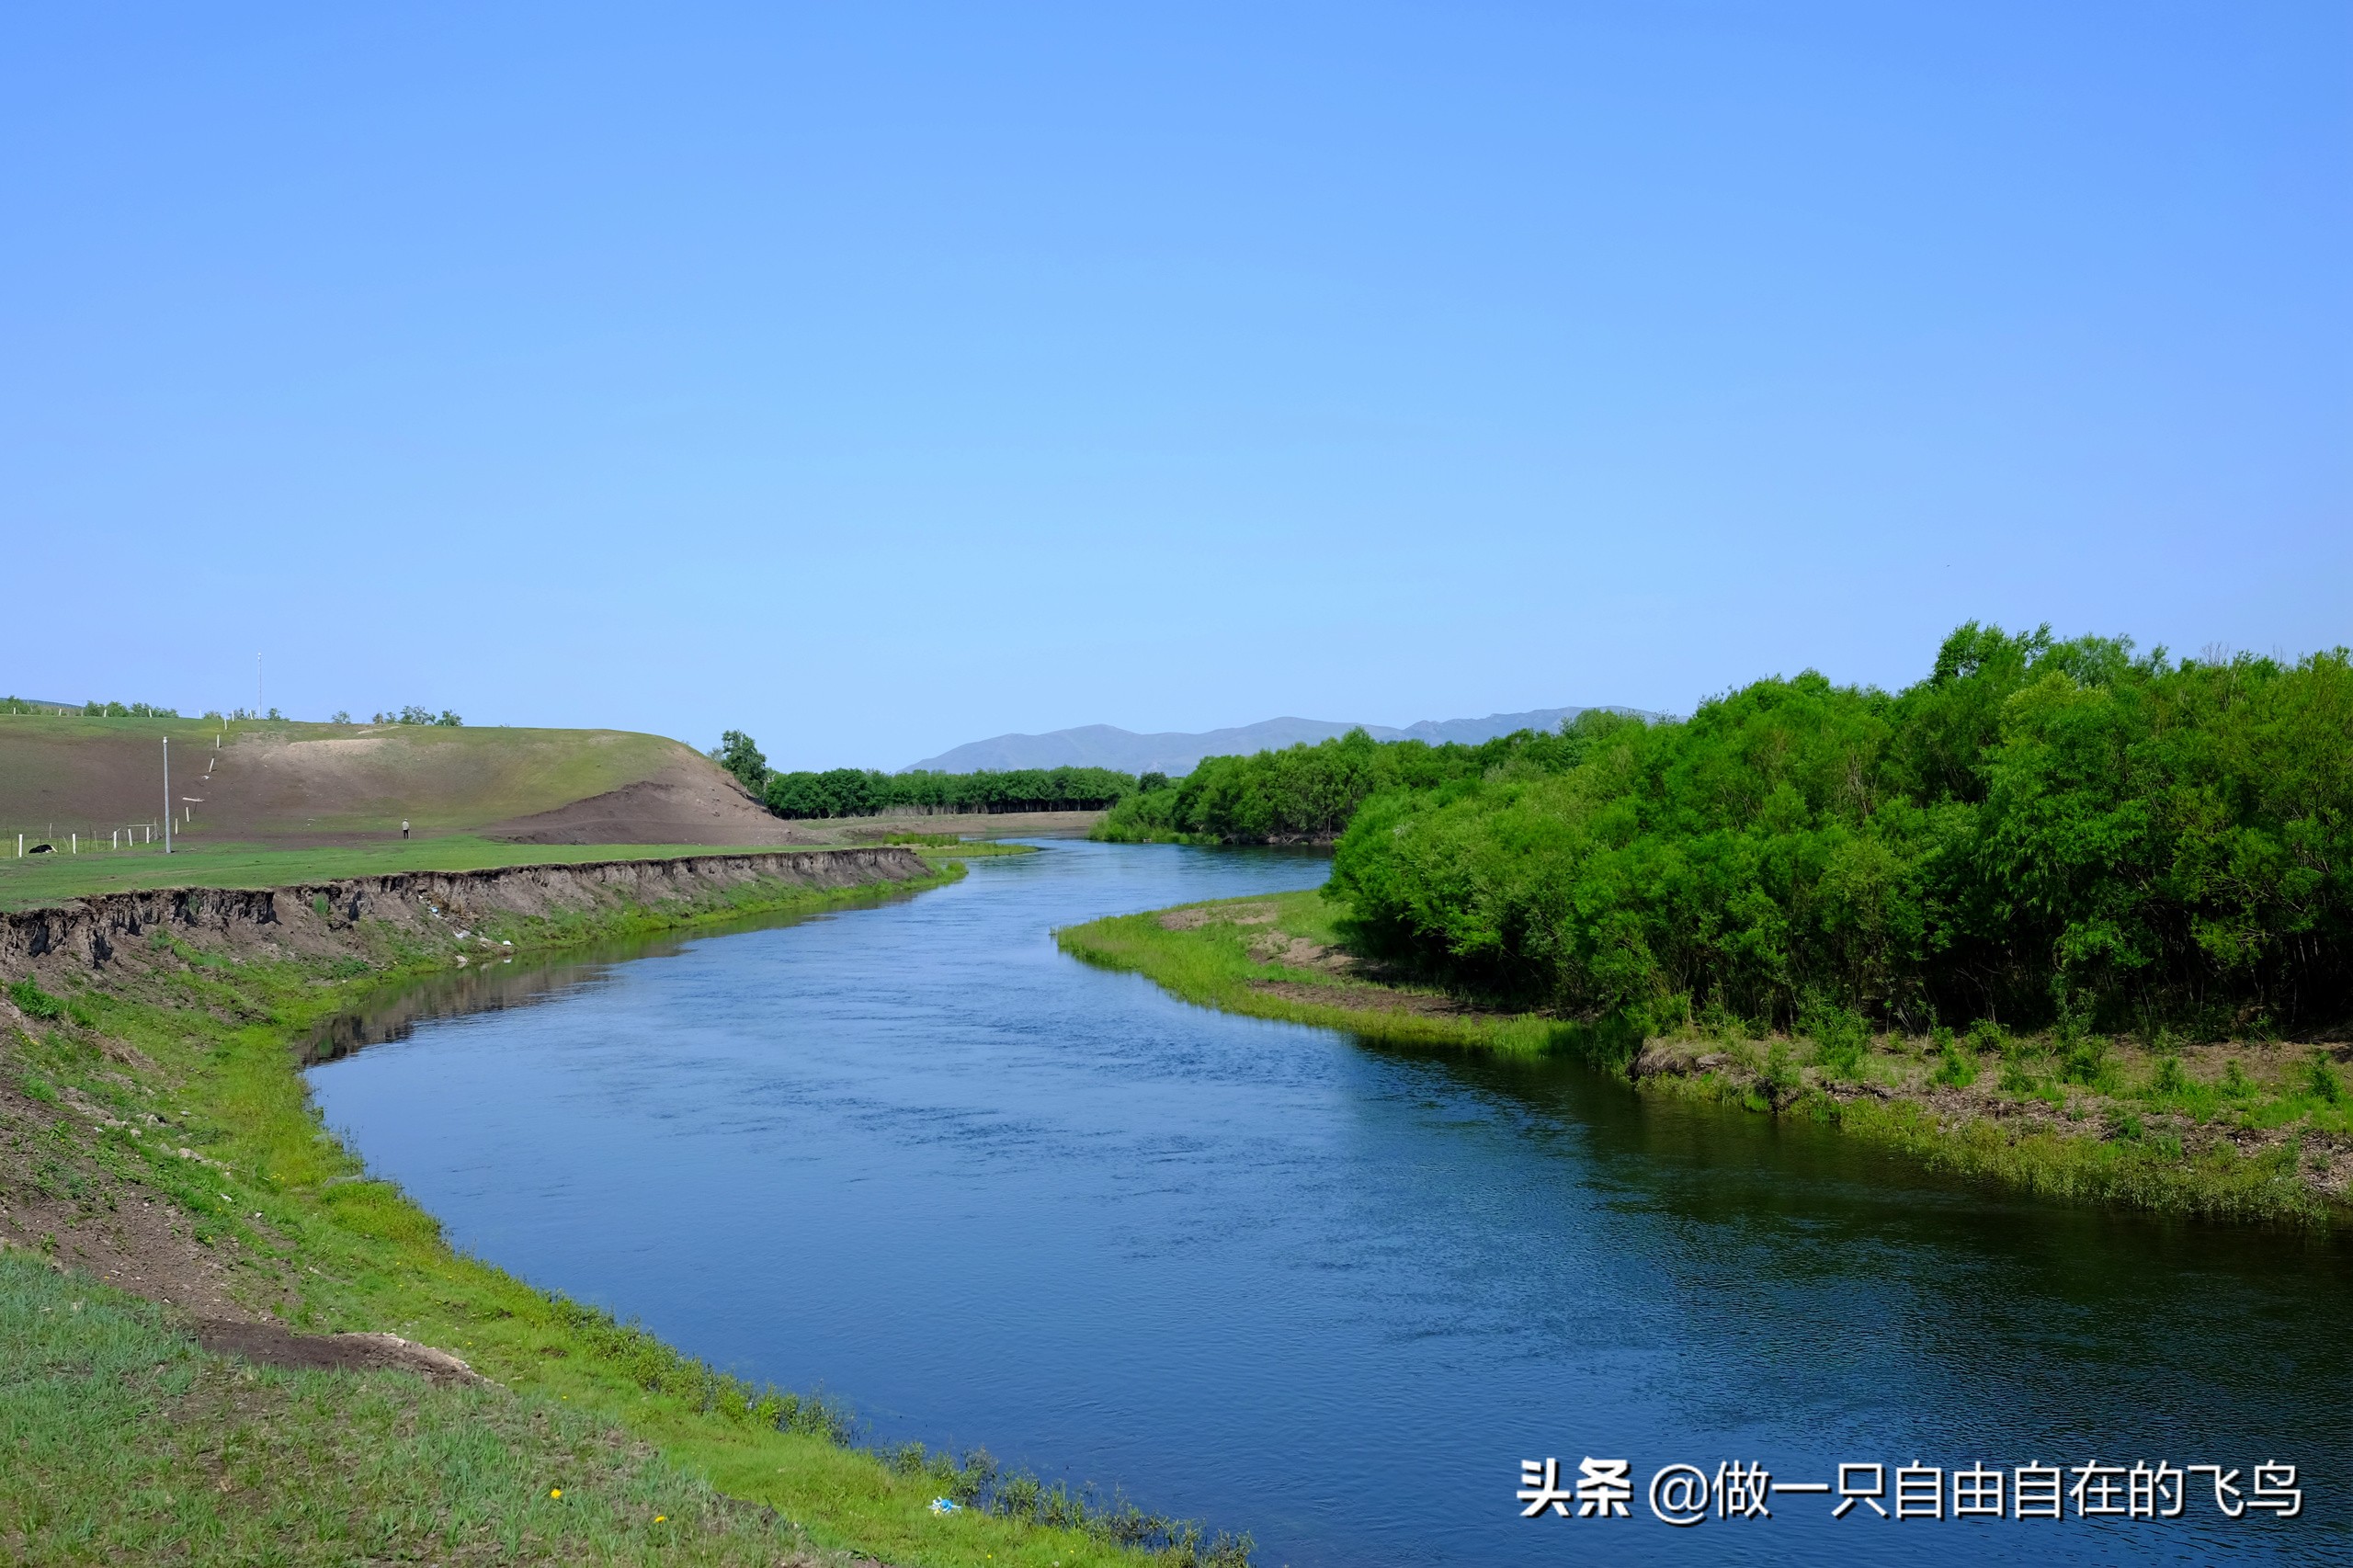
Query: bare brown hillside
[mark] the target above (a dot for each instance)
(684, 803)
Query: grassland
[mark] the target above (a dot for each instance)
(2244, 1129)
(192, 1049)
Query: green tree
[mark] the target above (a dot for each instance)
(2038, 825)
(739, 756)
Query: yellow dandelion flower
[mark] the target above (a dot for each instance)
(555, 1491)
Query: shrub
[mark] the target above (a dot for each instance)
(1841, 1038)
(2084, 1061)
(1956, 1063)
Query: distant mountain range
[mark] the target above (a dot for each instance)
(1106, 745)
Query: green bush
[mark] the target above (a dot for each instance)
(1841, 1037)
(2086, 1062)
(1956, 1063)
(2036, 822)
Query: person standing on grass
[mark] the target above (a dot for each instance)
(404, 827)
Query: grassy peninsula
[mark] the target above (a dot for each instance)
(153, 1130)
(2243, 1129)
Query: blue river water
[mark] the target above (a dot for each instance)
(1334, 1294)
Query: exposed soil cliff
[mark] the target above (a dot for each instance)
(311, 918)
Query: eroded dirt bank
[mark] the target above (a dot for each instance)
(315, 919)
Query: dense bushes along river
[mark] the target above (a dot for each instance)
(2038, 831)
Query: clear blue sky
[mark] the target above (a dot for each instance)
(876, 378)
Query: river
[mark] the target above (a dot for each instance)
(1332, 1293)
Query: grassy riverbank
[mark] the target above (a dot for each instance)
(2244, 1128)
(155, 1129)
(128, 1443)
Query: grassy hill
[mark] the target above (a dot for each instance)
(262, 803)
(272, 780)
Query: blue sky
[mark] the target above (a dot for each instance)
(879, 378)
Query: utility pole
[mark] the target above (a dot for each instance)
(257, 707)
(167, 794)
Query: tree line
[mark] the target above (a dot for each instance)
(2037, 830)
(856, 792)
(1302, 793)
(90, 709)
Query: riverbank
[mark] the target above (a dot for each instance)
(2240, 1130)
(969, 825)
(156, 1141)
(45, 882)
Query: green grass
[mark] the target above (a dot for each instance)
(38, 880)
(210, 1050)
(127, 1443)
(1211, 965)
(2125, 1171)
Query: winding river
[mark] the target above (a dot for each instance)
(1331, 1294)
